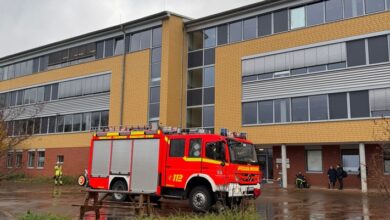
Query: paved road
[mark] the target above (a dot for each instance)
(275, 203)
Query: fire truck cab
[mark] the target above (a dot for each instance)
(203, 168)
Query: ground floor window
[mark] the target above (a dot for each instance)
(18, 162)
(41, 159)
(351, 160)
(10, 159)
(31, 159)
(386, 158)
(314, 160)
(60, 159)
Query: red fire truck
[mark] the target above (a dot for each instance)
(170, 163)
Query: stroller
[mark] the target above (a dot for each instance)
(301, 181)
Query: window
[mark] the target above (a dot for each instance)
(380, 102)
(208, 78)
(210, 37)
(314, 160)
(58, 57)
(10, 159)
(86, 123)
(353, 8)
(250, 28)
(208, 116)
(266, 112)
(119, 46)
(35, 65)
(145, 39)
(157, 37)
(299, 108)
(249, 113)
(209, 56)
(249, 78)
(40, 94)
(109, 48)
(318, 107)
(195, 148)
(44, 125)
(104, 117)
(208, 96)
(154, 110)
(154, 95)
(373, 6)
(235, 32)
(31, 159)
(333, 10)
(41, 159)
(60, 124)
(95, 120)
(388, 4)
(386, 158)
(195, 40)
(351, 160)
(20, 97)
(37, 125)
(264, 25)
(339, 65)
(297, 18)
(356, 53)
(338, 106)
(156, 70)
(195, 59)
(68, 123)
(282, 110)
(47, 93)
(280, 21)
(194, 117)
(194, 97)
(54, 91)
(19, 157)
(378, 49)
(176, 148)
(215, 151)
(195, 78)
(99, 50)
(60, 159)
(156, 55)
(52, 124)
(315, 14)
(359, 102)
(222, 34)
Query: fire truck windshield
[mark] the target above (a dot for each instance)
(241, 153)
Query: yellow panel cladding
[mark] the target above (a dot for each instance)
(57, 141)
(171, 71)
(228, 84)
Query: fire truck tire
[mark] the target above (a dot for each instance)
(119, 185)
(200, 199)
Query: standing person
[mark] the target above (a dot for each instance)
(340, 176)
(58, 174)
(332, 176)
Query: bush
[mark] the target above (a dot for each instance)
(31, 216)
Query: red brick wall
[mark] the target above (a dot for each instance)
(75, 161)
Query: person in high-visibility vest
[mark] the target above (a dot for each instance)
(58, 174)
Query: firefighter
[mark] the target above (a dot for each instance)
(58, 174)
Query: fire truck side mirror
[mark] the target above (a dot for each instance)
(223, 163)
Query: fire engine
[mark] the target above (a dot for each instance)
(175, 164)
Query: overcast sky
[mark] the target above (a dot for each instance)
(26, 24)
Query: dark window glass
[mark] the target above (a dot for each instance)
(315, 13)
(104, 117)
(68, 123)
(319, 68)
(30, 126)
(20, 97)
(60, 124)
(195, 148)
(195, 40)
(222, 34)
(13, 98)
(95, 120)
(208, 79)
(388, 8)
(353, 8)
(282, 110)
(209, 56)
(318, 107)
(127, 43)
(208, 116)
(109, 48)
(235, 32)
(266, 76)
(47, 93)
(299, 109)
(194, 97)
(195, 59)
(299, 71)
(215, 151)
(3, 99)
(44, 125)
(250, 28)
(333, 10)
(119, 46)
(264, 25)
(145, 39)
(54, 91)
(210, 36)
(249, 113)
(156, 55)
(356, 53)
(58, 57)
(340, 65)
(359, 103)
(338, 106)
(40, 94)
(266, 112)
(176, 148)
(280, 21)
(52, 124)
(208, 96)
(135, 42)
(36, 65)
(154, 94)
(37, 125)
(249, 78)
(373, 6)
(157, 37)
(194, 117)
(86, 123)
(156, 70)
(43, 63)
(154, 110)
(195, 78)
(378, 49)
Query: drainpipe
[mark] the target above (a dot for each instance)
(123, 77)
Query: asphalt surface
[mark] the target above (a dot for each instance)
(17, 199)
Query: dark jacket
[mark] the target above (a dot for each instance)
(340, 172)
(332, 174)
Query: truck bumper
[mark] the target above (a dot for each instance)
(237, 190)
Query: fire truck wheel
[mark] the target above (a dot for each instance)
(200, 199)
(119, 186)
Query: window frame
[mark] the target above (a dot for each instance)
(307, 160)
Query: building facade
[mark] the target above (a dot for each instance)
(309, 81)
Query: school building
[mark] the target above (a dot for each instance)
(309, 81)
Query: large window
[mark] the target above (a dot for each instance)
(378, 49)
(215, 151)
(359, 102)
(31, 159)
(380, 102)
(282, 110)
(250, 28)
(338, 106)
(195, 40)
(333, 10)
(297, 18)
(356, 52)
(176, 148)
(210, 37)
(299, 107)
(350, 158)
(235, 32)
(315, 13)
(353, 8)
(318, 107)
(222, 34)
(208, 116)
(264, 25)
(280, 21)
(314, 160)
(249, 113)
(194, 117)
(373, 6)
(266, 112)
(41, 158)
